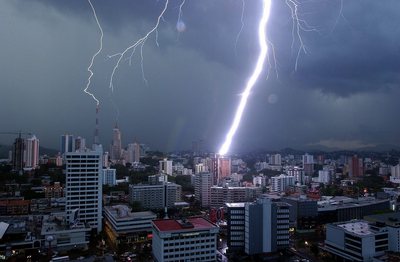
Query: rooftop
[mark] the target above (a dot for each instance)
(390, 219)
(235, 204)
(192, 223)
(359, 227)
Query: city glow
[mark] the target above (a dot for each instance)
(253, 78)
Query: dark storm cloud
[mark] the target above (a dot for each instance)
(343, 93)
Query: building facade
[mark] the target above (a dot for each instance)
(155, 196)
(266, 226)
(202, 188)
(84, 187)
(124, 227)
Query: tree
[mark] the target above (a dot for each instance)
(136, 206)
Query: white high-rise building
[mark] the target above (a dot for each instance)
(31, 153)
(132, 154)
(202, 188)
(80, 144)
(281, 182)
(395, 174)
(166, 167)
(67, 144)
(109, 176)
(84, 187)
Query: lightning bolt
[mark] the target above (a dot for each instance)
(253, 78)
(242, 24)
(89, 69)
(139, 43)
(298, 26)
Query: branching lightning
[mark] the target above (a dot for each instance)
(89, 69)
(298, 26)
(253, 78)
(241, 24)
(139, 43)
(180, 25)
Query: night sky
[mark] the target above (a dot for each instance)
(343, 95)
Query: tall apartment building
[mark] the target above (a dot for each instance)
(281, 182)
(395, 174)
(356, 167)
(308, 164)
(109, 176)
(275, 159)
(235, 226)
(116, 147)
(18, 154)
(67, 144)
(84, 187)
(166, 166)
(297, 172)
(132, 154)
(155, 196)
(80, 144)
(192, 239)
(266, 226)
(202, 188)
(31, 153)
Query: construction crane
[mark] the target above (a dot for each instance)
(18, 150)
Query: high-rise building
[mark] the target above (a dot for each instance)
(235, 226)
(67, 144)
(109, 176)
(308, 164)
(275, 160)
(18, 154)
(132, 154)
(116, 148)
(220, 167)
(202, 188)
(356, 167)
(31, 155)
(166, 167)
(266, 226)
(297, 172)
(281, 182)
(395, 174)
(136, 152)
(80, 144)
(192, 239)
(84, 187)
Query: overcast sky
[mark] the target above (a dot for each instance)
(344, 93)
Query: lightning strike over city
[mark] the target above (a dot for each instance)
(262, 39)
(198, 142)
(89, 69)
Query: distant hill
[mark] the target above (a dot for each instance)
(4, 149)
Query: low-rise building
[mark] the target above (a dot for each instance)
(222, 195)
(155, 196)
(192, 239)
(356, 240)
(59, 234)
(125, 227)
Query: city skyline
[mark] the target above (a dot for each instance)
(343, 94)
